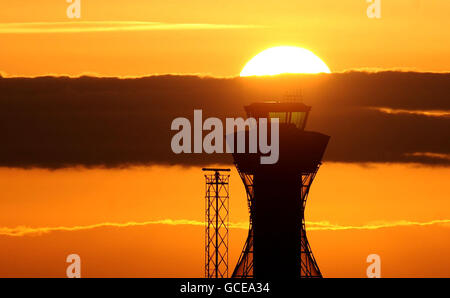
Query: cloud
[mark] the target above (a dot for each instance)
(326, 226)
(57, 122)
(311, 226)
(25, 231)
(438, 156)
(107, 26)
(429, 113)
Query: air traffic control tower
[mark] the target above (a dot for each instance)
(277, 246)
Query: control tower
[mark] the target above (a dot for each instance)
(277, 245)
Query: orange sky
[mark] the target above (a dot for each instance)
(138, 222)
(409, 35)
(347, 202)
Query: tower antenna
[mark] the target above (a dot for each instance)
(294, 96)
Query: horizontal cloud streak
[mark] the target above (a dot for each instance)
(438, 156)
(429, 113)
(326, 226)
(311, 226)
(24, 231)
(105, 26)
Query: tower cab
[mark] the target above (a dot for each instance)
(291, 113)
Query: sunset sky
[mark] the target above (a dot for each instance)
(410, 35)
(85, 165)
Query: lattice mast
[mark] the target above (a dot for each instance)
(216, 222)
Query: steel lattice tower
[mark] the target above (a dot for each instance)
(216, 223)
(277, 245)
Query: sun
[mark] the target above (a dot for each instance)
(279, 60)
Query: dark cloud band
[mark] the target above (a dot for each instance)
(60, 122)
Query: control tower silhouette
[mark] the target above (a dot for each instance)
(277, 245)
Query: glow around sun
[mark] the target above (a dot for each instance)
(279, 60)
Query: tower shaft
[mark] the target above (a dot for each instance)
(276, 233)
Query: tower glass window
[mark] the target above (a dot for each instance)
(292, 113)
(281, 115)
(298, 118)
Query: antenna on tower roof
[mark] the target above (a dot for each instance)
(295, 95)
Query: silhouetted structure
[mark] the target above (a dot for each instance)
(277, 245)
(216, 223)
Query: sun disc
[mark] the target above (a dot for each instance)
(279, 60)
